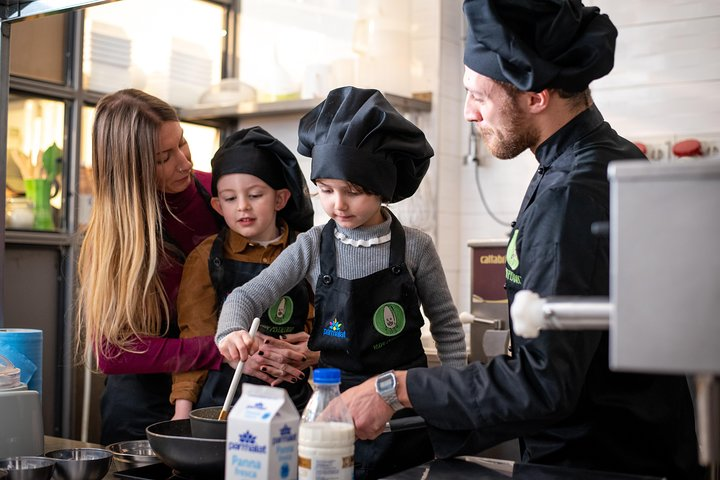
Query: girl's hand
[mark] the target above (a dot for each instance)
(237, 346)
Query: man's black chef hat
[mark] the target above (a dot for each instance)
(254, 151)
(357, 136)
(538, 44)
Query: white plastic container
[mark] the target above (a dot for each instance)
(326, 445)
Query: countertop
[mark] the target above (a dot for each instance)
(479, 468)
(476, 468)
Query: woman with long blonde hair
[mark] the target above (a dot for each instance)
(151, 209)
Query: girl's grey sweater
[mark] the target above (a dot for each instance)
(301, 260)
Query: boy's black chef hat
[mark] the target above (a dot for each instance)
(356, 135)
(254, 151)
(538, 44)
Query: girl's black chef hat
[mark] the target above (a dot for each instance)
(356, 135)
(538, 44)
(254, 151)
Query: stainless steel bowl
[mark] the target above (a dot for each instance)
(27, 468)
(85, 463)
(133, 453)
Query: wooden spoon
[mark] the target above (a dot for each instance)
(236, 376)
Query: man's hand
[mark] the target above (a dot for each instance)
(369, 411)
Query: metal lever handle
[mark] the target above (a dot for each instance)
(467, 317)
(531, 314)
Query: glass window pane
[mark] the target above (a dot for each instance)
(170, 48)
(36, 129)
(203, 141)
(85, 190)
(37, 48)
(291, 50)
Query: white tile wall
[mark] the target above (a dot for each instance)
(665, 87)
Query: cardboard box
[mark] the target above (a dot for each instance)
(262, 435)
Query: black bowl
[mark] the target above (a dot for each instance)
(204, 423)
(173, 443)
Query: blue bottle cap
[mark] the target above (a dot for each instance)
(326, 376)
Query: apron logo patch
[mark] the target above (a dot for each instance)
(389, 319)
(513, 261)
(281, 311)
(335, 329)
(512, 257)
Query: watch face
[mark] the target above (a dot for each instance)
(385, 382)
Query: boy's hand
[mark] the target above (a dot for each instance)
(237, 346)
(182, 409)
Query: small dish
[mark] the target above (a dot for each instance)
(85, 463)
(133, 453)
(27, 468)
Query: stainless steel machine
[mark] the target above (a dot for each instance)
(664, 307)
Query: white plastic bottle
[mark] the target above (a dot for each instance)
(326, 444)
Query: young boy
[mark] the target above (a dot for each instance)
(371, 274)
(259, 189)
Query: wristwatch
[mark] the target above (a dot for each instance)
(385, 386)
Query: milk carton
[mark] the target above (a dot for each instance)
(262, 435)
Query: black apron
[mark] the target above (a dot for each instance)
(287, 315)
(131, 402)
(367, 326)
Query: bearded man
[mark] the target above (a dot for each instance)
(528, 66)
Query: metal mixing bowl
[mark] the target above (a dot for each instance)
(85, 463)
(27, 468)
(132, 453)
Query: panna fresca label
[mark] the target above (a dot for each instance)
(247, 442)
(286, 435)
(262, 435)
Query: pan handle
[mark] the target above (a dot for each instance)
(405, 423)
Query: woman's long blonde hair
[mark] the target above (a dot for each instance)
(120, 294)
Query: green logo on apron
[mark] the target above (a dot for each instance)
(281, 311)
(512, 258)
(389, 319)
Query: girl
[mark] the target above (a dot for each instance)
(371, 274)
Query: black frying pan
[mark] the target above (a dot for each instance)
(173, 443)
(204, 423)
